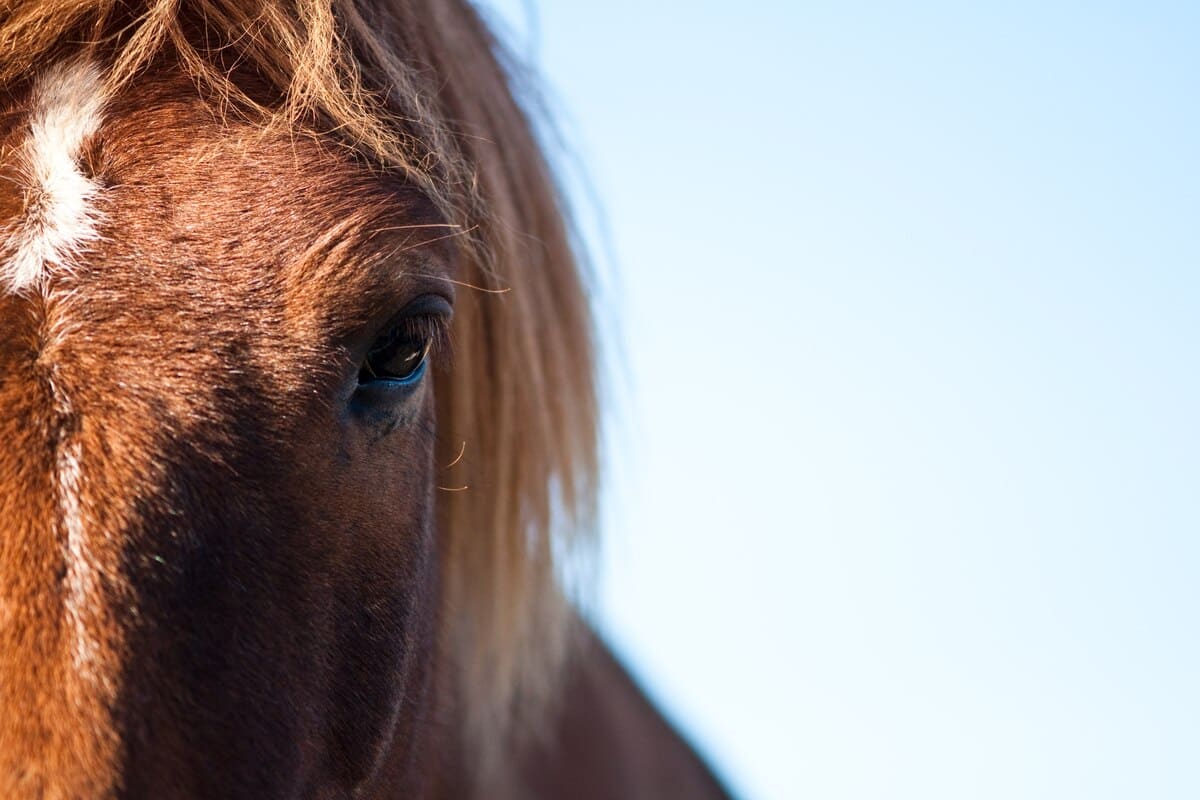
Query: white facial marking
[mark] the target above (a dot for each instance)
(59, 216)
(82, 579)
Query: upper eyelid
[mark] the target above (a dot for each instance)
(431, 303)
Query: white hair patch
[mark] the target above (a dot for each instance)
(59, 217)
(82, 579)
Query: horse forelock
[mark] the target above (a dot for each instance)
(416, 89)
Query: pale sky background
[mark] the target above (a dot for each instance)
(906, 469)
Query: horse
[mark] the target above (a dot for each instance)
(297, 363)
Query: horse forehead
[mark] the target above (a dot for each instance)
(84, 176)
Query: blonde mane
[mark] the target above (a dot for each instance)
(419, 88)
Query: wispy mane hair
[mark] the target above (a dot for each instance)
(420, 88)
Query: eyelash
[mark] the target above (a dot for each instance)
(432, 328)
(435, 328)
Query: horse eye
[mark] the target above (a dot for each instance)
(399, 356)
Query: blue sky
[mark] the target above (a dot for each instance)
(905, 475)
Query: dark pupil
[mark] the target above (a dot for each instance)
(396, 356)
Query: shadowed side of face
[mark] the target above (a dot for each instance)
(218, 570)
